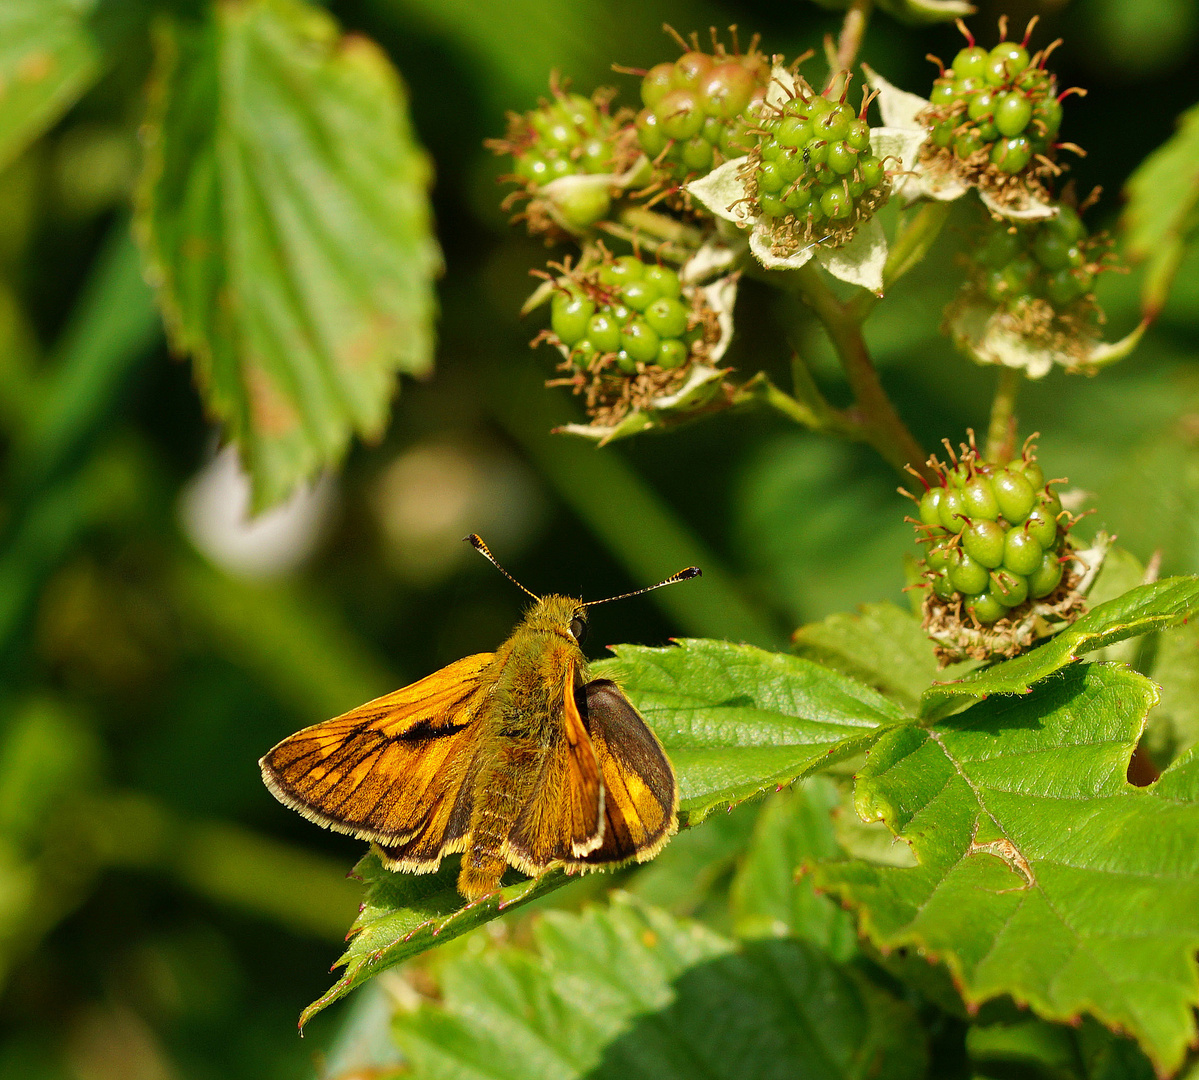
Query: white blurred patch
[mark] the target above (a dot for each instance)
(436, 492)
(214, 511)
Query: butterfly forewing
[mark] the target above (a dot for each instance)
(392, 769)
(641, 794)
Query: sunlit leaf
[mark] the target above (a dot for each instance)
(631, 992)
(1159, 218)
(1042, 873)
(736, 721)
(284, 216)
(882, 645)
(1139, 611)
(1174, 724)
(405, 914)
(51, 51)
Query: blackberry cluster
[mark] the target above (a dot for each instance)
(699, 110)
(813, 170)
(1034, 282)
(1054, 261)
(628, 331)
(995, 115)
(995, 535)
(569, 135)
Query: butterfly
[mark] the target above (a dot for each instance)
(511, 758)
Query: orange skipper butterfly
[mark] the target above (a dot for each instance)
(511, 758)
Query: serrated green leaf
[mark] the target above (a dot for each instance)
(683, 877)
(768, 897)
(1160, 215)
(1174, 724)
(1162, 192)
(737, 720)
(284, 216)
(1025, 1047)
(1139, 611)
(632, 992)
(881, 645)
(405, 914)
(51, 51)
(1043, 875)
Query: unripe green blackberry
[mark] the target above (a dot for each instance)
(998, 561)
(567, 135)
(812, 176)
(1035, 282)
(628, 331)
(994, 118)
(699, 110)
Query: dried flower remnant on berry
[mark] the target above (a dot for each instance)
(570, 156)
(999, 570)
(698, 111)
(630, 333)
(813, 176)
(811, 187)
(1027, 301)
(994, 118)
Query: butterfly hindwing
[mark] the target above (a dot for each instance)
(562, 821)
(392, 770)
(641, 794)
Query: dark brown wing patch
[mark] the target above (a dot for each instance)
(641, 795)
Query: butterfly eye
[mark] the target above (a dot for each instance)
(578, 630)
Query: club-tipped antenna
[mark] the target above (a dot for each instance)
(476, 541)
(682, 575)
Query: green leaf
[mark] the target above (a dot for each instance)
(683, 878)
(405, 914)
(1160, 216)
(1043, 875)
(632, 992)
(882, 645)
(284, 216)
(1140, 611)
(737, 720)
(793, 828)
(1174, 724)
(51, 51)
(1025, 1047)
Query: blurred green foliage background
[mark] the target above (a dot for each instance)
(160, 914)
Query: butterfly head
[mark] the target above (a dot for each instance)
(565, 615)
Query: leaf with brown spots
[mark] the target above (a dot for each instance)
(51, 51)
(284, 216)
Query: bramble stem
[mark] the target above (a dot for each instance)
(872, 413)
(1001, 433)
(661, 227)
(807, 408)
(853, 29)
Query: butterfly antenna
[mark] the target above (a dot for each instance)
(682, 575)
(476, 541)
